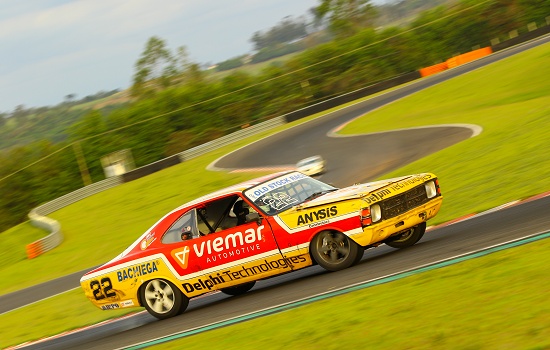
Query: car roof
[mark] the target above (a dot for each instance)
(238, 188)
(309, 159)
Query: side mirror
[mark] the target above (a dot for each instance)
(253, 217)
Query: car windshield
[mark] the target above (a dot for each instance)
(308, 161)
(286, 191)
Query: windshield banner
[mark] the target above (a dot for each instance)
(256, 192)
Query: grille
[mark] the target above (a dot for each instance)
(394, 206)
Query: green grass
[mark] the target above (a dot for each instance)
(14, 240)
(496, 302)
(499, 301)
(508, 161)
(49, 317)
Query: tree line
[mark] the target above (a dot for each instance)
(177, 105)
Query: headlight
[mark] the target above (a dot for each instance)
(375, 212)
(431, 189)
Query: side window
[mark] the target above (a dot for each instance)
(182, 229)
(222, 214)
(211, 216)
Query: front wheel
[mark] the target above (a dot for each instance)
(162, 299)
(334, 251)
(238, 290)
(408, 237)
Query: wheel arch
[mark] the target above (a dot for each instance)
(143, 283)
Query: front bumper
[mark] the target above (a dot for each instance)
(386, 228)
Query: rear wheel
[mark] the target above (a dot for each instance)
(407, 238)
(335, 251)
(162, 299)
(238, 290)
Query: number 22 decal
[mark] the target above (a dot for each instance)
(102, 289)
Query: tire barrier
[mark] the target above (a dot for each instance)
(47, 243)
(533, 32)
(456, 61)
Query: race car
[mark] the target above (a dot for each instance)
(313, 165)
(228, 240)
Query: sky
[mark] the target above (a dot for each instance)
(52, 48)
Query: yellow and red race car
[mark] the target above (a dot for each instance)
(276, 224)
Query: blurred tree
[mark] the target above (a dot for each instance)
(287, 30)
(536, 11)
(231, 63)
(347, 17)
(70, 98)
(52, 175)
(180, 141)
(318, 21)
(156, 62)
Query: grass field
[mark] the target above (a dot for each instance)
(485, 303)
(509, 160)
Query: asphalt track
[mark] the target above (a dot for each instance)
(350, 159)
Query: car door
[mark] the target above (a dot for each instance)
(223, 254)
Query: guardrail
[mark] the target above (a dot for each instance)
(47, 243)
(228, 139)
(38, 215)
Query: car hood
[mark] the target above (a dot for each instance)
(355, 191)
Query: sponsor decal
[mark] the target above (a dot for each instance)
(137, 270)
(150, 238)
(315, 216)
(126, 303)
(319, 223)
(242, 272)
(232, 253)
(181, 256)
(110, 306)
(279, 200)
(102, 289)
(377, 196)
(411, 181)
(256, 192)
(230, 245)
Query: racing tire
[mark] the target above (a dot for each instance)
(407, 238)
(335, 251)
(162, 299)
(238, 290)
